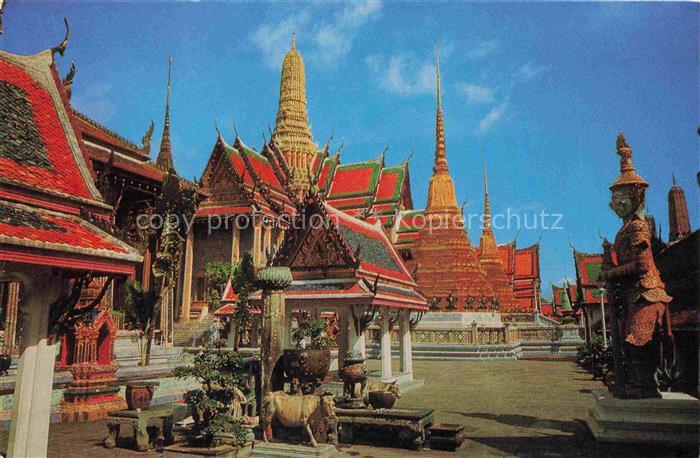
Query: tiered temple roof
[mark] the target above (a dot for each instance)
(46, 185)
(344, 260)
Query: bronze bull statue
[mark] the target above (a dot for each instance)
(309, 412)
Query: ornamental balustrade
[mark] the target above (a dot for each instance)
(474, 335)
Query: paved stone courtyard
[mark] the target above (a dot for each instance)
(523, 408)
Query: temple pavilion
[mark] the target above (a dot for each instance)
(54, 235)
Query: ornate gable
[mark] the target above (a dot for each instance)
(321, 248)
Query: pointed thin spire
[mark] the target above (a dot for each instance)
(673, 179)
(487, 205)
(165, 158)
(440, 153)
(294, 40)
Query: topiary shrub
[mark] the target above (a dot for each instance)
(216, 407)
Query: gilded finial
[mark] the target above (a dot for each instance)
(61, 47)
(294, 40)
(437, 72)
(487, 204)
(622, 143)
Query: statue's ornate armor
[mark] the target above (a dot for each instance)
(642, 291)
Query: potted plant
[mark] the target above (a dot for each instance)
(307, 364)
(217, 407)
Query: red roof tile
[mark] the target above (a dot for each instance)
(39, 149)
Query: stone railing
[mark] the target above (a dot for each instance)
(538, 333)
(474, 335)
(517, 317)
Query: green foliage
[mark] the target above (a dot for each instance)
(217, 274)
(243, 283)
(670, 375)
(141, 305)
(141, 308)
(312, 331)
(221, 374)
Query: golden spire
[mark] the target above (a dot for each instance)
(488, 250)
(165, 158)
(292, 130)
(441, 192)
(487, 205)
(440, 153)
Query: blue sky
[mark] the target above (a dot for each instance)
(538, 90)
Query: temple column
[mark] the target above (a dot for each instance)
(406, 346)
(385, 331)
(356, 340)
(343, 325)
(279, 238)
(187, 283)
(29, 427)
(235, 245)
(257, 242)
(267, 242)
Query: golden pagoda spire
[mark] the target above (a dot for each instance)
(488, 249)
(292, 130)
(441, 192)
(165, 157)
(487, 205)
(440, 153)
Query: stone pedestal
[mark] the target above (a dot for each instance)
(672, 420)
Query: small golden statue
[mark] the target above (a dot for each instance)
(638, 298)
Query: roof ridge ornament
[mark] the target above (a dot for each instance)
(61, 47)
(2, 10)
(67, 82)
(146, 139)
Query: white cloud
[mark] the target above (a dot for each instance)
(492, 117)
(274, 39)
(530, 70)
(482, 49)
(403, 74)
(475, 93)
(326, 43)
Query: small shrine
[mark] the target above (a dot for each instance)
(87, 350)
(345, 266)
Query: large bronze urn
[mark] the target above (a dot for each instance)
(305, 369)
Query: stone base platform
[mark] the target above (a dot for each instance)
(279, 449)
(223, 451)
(672, 420)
